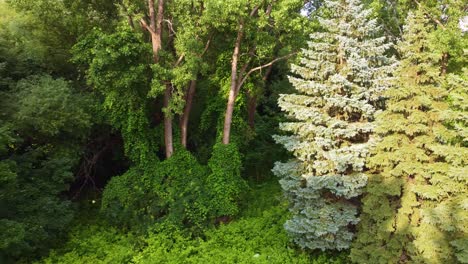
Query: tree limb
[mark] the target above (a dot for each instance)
(146, 26)
(179, 60)
(254, 10)
(170, 26)
(263, 66)
(207, 45)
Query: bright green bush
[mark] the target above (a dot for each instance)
(259, 239)
(94, 244)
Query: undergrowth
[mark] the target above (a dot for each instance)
(256, 236)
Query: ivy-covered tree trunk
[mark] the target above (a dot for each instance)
(339, 82)
(415, 207)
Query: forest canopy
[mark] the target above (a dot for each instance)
(241, 131)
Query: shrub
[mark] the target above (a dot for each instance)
(171, 190)
(94, 244)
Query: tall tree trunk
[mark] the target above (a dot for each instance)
(155, 29)
(233, 89)
(185, 116)
(157, 44)
(168, 122)
(251, 107)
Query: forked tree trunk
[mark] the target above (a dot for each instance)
(156, 27)
(186, 115)
(155, 30)
(238, 78)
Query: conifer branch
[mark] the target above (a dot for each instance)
(428, 15)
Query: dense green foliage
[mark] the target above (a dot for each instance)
(224, 184)
(116, 68)
(143, 131)
(257, 237)
(178, 190)
(37, 160)
(414, 206)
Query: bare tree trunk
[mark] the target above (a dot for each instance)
(185, 116)
(233, 89)
(168, 122)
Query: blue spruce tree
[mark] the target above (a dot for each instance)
(339, 83)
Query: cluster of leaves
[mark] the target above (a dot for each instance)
(37, 163)
(43, 124)
(94, 244)
(224, 182)
(117, 67)
(172, 190)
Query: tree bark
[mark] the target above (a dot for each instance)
(156, 27)
(233, 88)
(168, 122)
(251, 107)
(185, 116)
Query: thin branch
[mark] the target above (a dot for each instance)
(170, 26)
(241, 72)
(265, 65)
(269, 8)
(129, 16)
(254, 10)
(207, 45)
(179, 60)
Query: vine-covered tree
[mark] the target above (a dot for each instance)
(339, 81)
(415, 206)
